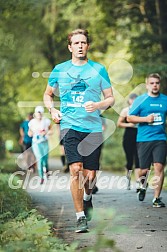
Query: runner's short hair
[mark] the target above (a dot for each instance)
(78, 31)
(153, 75)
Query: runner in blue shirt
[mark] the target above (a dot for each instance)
(150, 111)
(80, 82)
(26, 142)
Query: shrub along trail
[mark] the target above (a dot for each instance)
(118, 215)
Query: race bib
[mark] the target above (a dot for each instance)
(76, 99)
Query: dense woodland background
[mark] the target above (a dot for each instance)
(128, 36)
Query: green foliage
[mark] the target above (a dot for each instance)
(113, 157)
(30, 232)
(18, 55)
(23, 228)
(12, 201)
(140, 26)
(8, 165)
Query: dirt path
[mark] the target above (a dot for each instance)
(134, 225)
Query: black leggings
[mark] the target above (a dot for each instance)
(130, 148)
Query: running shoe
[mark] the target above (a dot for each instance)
(88, 209)
(158, 203)
(95, 189)
(141, 194)
(82, 226)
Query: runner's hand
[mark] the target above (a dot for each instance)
(56, 115)
(150, 118)
(90, 106)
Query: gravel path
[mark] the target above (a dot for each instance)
(118, 215)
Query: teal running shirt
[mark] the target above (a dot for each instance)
(77, 85)
(145, 105)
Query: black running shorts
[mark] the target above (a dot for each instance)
(82, 147)
(151, 152)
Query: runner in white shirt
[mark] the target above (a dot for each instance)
(39, 129)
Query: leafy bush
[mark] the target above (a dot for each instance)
(22, 229)
(12, 202)
(30, 232)
(8, 165)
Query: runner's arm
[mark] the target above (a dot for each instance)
(108, 101)
(139, 119)
(49, 104)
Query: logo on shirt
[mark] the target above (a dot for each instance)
(77, 93)
(156, 105)
(79, 83)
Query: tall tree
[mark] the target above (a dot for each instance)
(143, 23)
